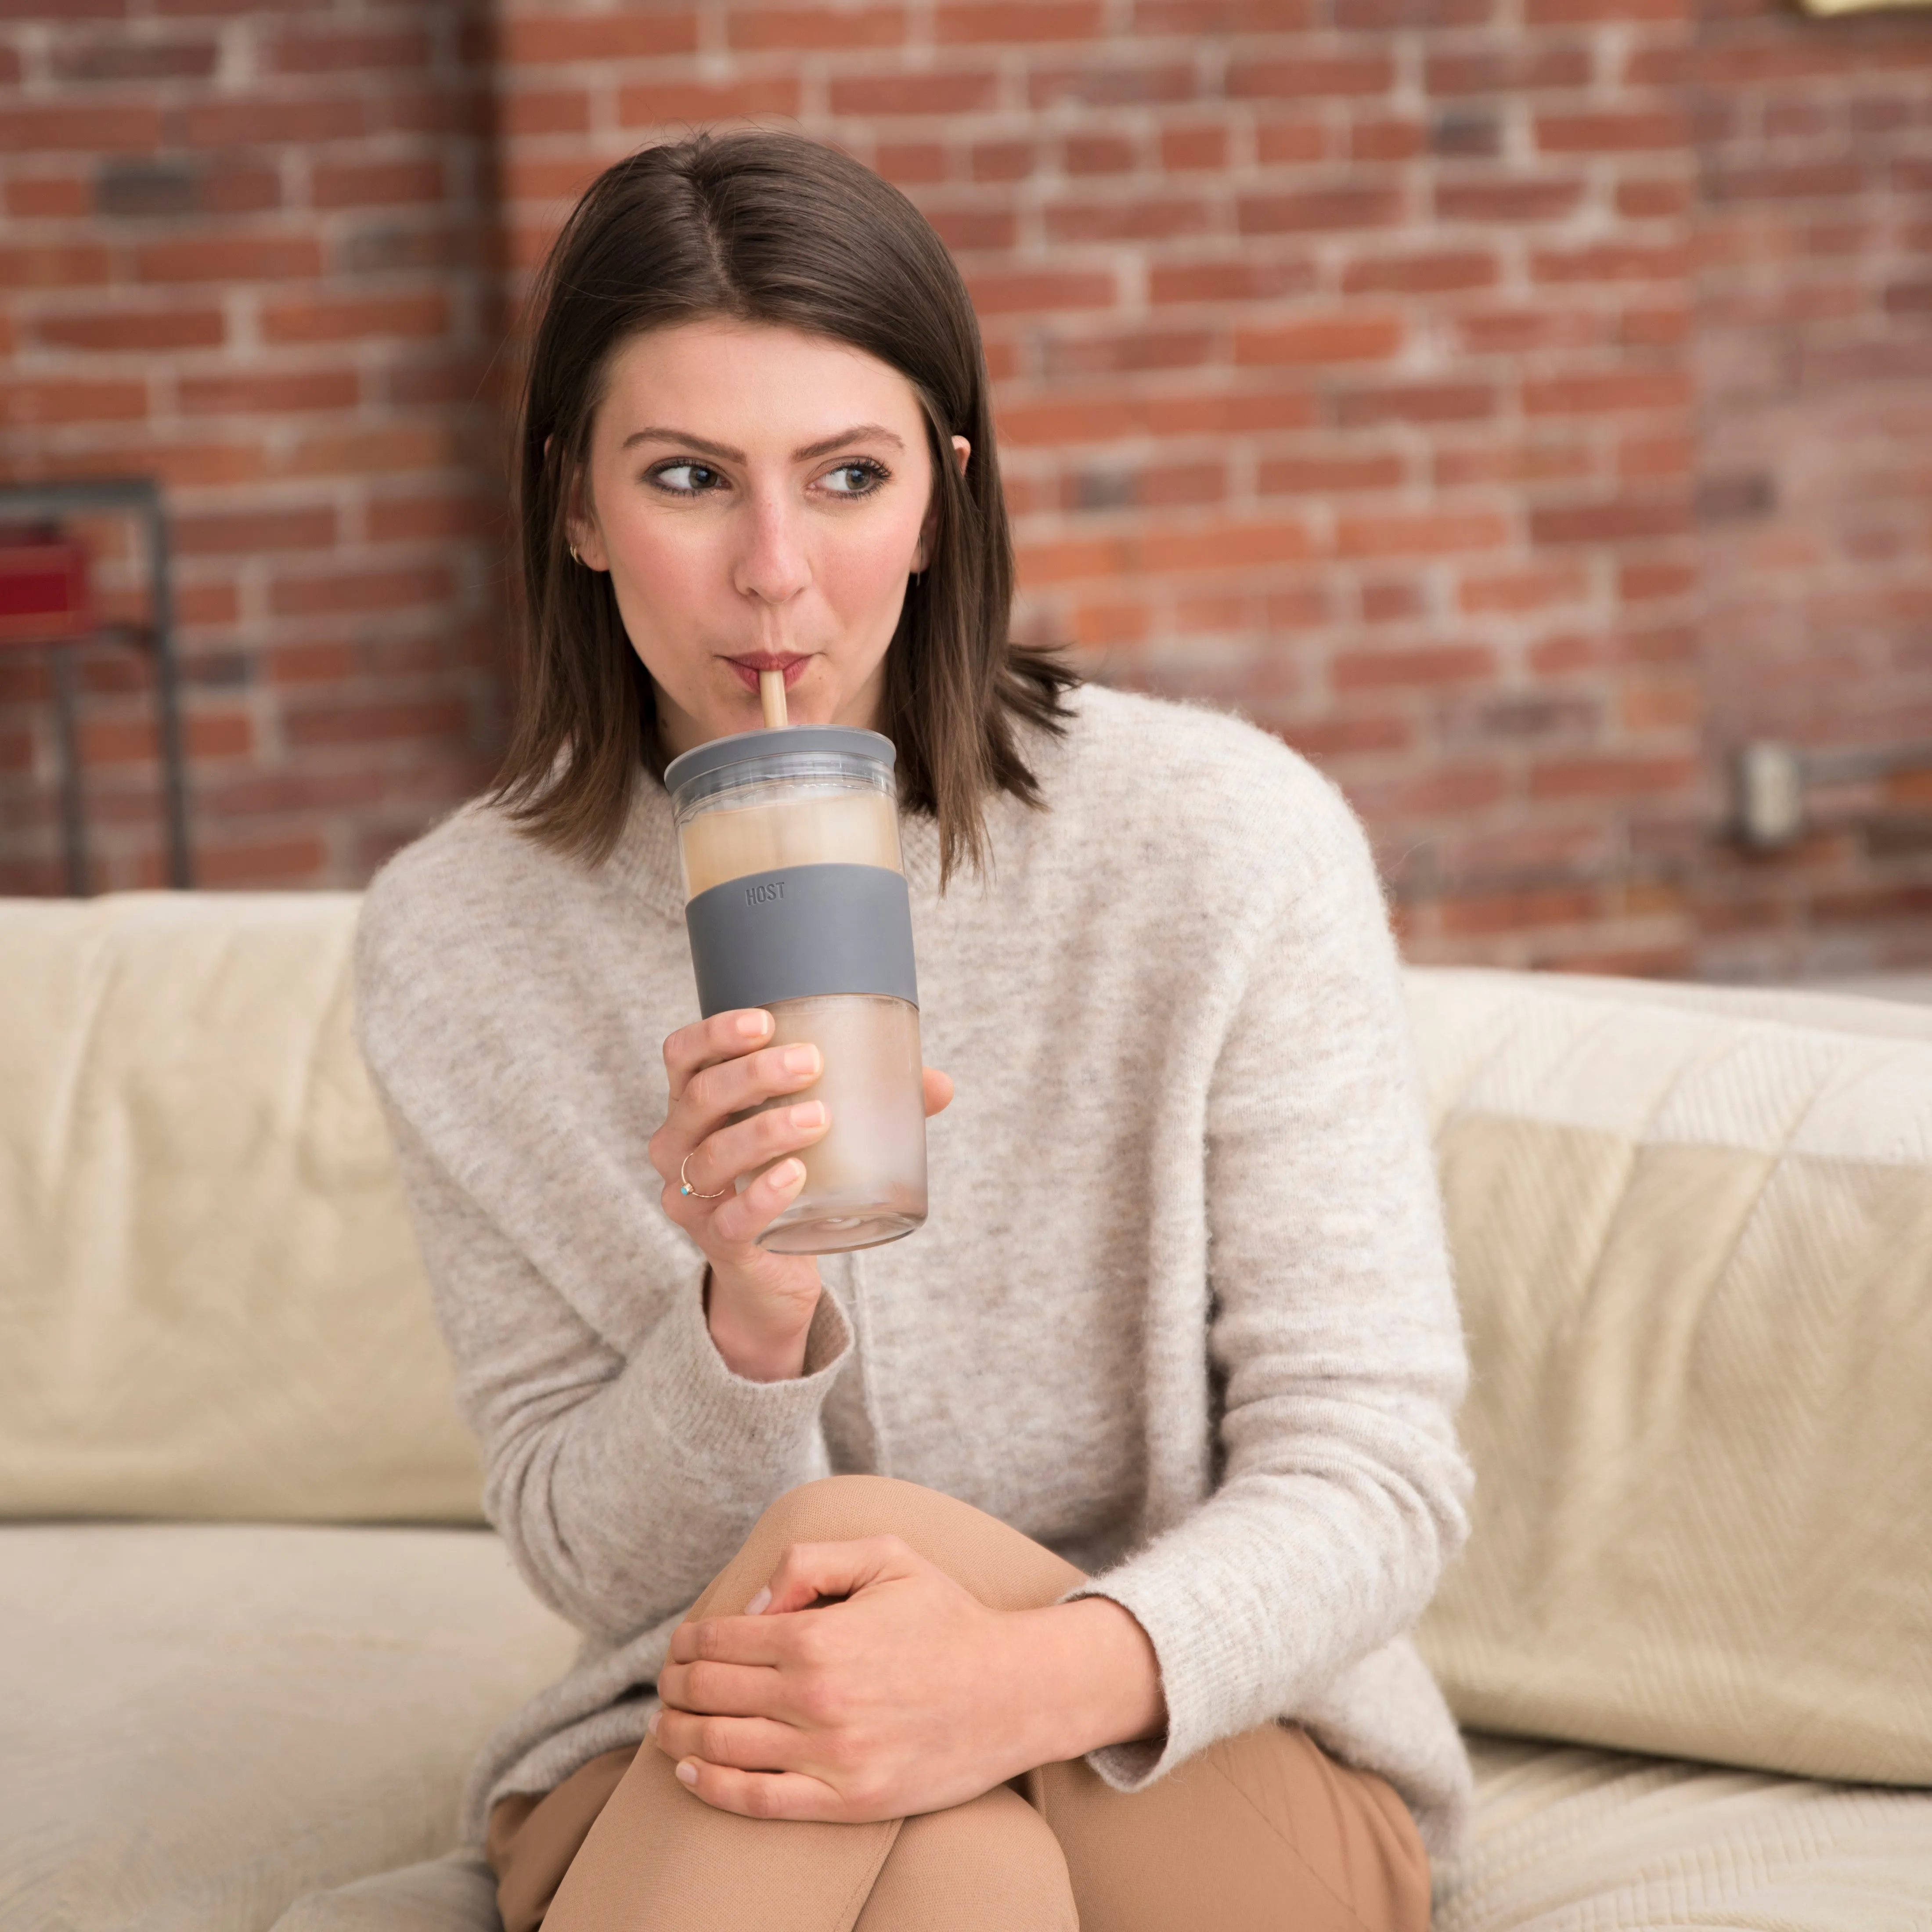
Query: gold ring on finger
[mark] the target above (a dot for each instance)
(684, 1183)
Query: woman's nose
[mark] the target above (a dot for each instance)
(772, 565)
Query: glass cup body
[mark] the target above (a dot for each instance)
(865, 1178)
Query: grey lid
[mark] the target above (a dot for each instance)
(742, 746)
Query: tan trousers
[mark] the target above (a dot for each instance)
(1262, 1833)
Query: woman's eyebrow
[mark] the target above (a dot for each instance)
(686, 440)
(859, 433)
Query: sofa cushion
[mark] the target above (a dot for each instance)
(1694, 1249)
(202, 1721)
(210, 1302)
(455, 1893)
(1570, 1839)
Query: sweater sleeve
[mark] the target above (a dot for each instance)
(621, 1487)
(624, 1462)
(1333, 1332)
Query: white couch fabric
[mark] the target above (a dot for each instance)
(229, 1727)
(1693, 1252)
(210, 1302)
(199, 1721)
(1571, 1840)
(1694, 1237)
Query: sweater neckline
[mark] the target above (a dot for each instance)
(645, 862)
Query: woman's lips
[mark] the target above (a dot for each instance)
(748, 668)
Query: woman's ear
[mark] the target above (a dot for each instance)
(580, 528)
(962, 450)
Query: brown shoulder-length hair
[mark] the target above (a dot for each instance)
(767, 228)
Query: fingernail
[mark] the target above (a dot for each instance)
(787, 1174)
(751, 1025)
(688, 1772)
(651, 1723)
(759, 1604)
(801, 1059)
(811, 1115)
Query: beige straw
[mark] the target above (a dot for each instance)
(771, 695)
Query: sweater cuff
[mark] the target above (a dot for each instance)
(733, 1433)
(1190, 1648)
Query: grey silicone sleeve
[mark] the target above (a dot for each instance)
(807, 930)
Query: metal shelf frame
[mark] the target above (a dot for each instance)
(31, 502)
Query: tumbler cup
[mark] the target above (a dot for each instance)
(796, 901)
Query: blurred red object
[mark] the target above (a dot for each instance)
(44, 594)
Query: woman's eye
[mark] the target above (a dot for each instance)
(854, 479)
(688, 478)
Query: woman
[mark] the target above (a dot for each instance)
(1055, 1561)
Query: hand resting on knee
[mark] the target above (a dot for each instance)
(864, 1683)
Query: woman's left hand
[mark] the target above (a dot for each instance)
(909, 1695)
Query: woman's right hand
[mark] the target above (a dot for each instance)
(758, 1305)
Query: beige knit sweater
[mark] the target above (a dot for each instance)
(1181, 1310)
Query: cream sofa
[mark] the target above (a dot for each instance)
(251, 1628)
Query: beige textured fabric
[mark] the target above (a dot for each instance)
(210, 1303)
(455, 1893)
(1575, 1840)
(199, 1721)
(1903, 1012)
(1694, 1256)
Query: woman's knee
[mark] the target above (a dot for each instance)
(834, 1508)
(1002, 1566)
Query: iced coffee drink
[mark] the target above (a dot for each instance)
(796, 901)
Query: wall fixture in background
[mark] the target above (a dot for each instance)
(1770, 780)
(1824, 9)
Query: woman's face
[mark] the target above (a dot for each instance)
(759, 497)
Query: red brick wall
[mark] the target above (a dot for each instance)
(1369, 363)
(1815, 353)
(251, 252)
(1341, 353)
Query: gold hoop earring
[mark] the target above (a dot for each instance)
(574, 557)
